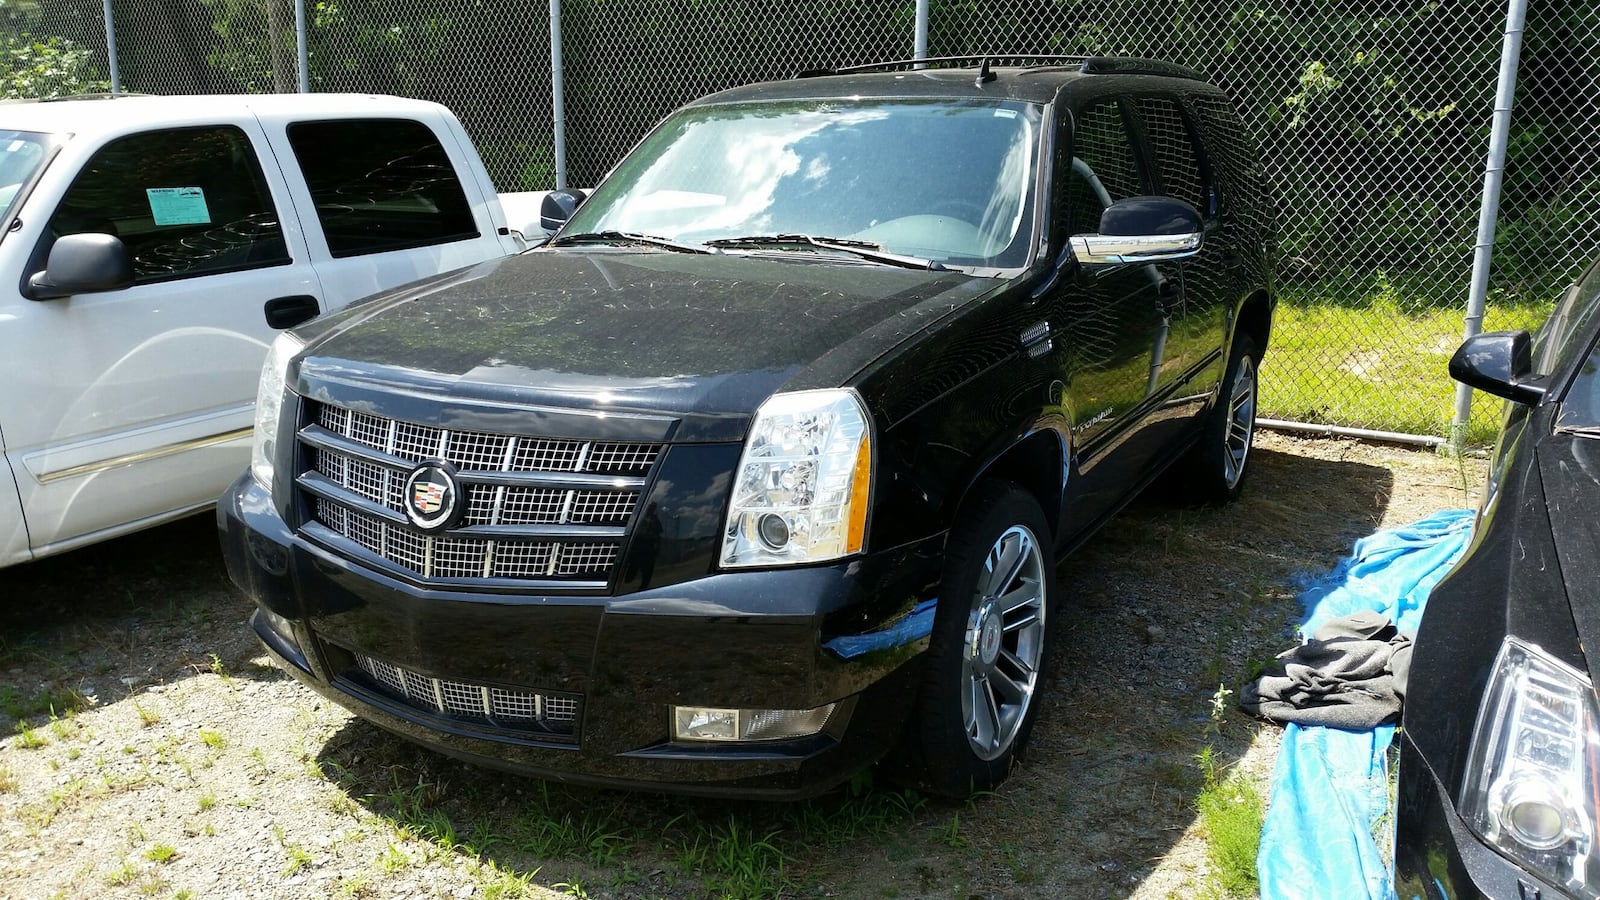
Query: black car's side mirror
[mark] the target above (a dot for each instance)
(1499, 363)
(558, 206)
(82, 264)
(1142, 230)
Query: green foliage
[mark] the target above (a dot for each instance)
(1231, 811)
(51, 67)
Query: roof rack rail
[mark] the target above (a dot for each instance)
(1089, 65)
(950, 62)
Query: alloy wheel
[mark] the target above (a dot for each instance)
(1004, 643)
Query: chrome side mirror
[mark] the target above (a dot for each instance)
(1142, 230)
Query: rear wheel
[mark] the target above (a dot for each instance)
(989, 645)
(1216, 466)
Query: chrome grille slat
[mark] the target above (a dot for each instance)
(564, 503)
(466, 700)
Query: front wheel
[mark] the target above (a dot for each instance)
(1216, 465)
(989, 645)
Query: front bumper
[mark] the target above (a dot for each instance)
(1436, 856)
(734, 640)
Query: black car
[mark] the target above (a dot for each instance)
(763, 465)
(1499, 791)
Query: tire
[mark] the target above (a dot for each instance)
(1216, 466)
(985, 663)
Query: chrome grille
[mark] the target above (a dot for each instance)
(465, 700)
(452, 557)
(398, 445)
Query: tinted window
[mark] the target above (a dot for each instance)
(185, 202)
(381, 185)
(1103, 167)
(1173, 144)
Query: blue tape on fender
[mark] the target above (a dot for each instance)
(917, 625)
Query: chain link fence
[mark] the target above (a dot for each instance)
(1372, 117)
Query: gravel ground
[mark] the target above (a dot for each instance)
(158, 754)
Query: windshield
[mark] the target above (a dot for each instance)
(21, 155)
(949, 181)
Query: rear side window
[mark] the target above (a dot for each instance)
(184, 201)
(379, 185)
(1174, 146)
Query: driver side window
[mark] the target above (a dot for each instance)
(1102, 167)
(184, 201)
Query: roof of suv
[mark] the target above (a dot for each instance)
(1031, 79)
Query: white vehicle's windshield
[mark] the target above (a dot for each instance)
(21, 155)
(948, 181)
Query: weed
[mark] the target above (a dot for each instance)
(950, 835)
(152, 884)
(1231, 812)
(298, 858)
(572, 889)
(161, 853)
(504, 884)
(28, 738)
(744, 865)
(74, 752)
(1220, 706)
(124, 874)
(47, 701)
(206, 801)
(147, 717)
(8, 781)
(393, 859)
(212, 739)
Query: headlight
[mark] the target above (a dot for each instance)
(1531, 784)
(269, 402)
(800, 492)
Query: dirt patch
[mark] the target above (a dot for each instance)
(192, 768)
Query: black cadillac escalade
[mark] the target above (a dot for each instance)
(761, 468)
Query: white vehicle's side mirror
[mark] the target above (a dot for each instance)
(82, 264)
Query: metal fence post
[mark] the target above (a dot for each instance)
(1493, 175)
(300, 43)
(111, 50)
(557, 101)
(920, 41)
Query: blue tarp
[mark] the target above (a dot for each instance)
(1330, 787)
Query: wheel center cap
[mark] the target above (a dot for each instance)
(989, 638)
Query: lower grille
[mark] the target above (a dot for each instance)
(521, 710)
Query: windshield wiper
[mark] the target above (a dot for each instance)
(862, 249)
(628, 237)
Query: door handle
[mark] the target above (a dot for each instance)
(287, 312)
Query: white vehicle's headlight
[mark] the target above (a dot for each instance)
(800, 492)
(269, 402)
(1531, 782)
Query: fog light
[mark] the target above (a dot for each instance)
(280, 626)
(701, 723)
(1536, 818)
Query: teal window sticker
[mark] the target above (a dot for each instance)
(178, 206)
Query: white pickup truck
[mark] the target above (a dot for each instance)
(149, 248)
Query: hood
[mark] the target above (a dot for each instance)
(699, 338)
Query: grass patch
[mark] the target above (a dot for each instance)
(1375, 358)
(161, 853)
(54, 702)
(1231, 812)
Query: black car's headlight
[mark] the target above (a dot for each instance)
(269, 403)
(1532, 786)
(800, 492)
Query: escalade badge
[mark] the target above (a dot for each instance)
(432, 496)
